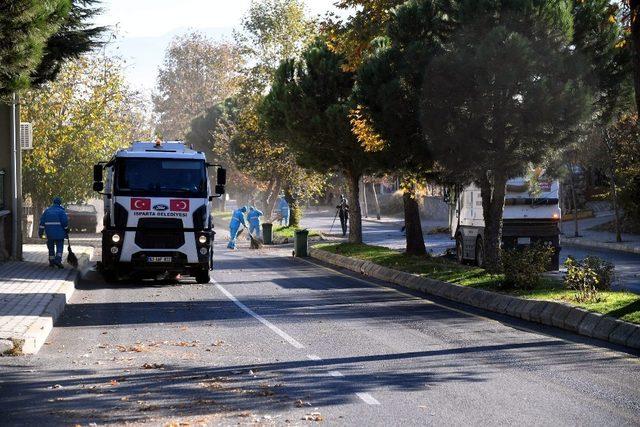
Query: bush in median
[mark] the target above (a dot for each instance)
(523, 268)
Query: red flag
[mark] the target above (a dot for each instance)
(140, 204)
(180, 205)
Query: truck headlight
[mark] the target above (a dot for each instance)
(115, 238)
(114, 250)
(202, 239)
(203, 251)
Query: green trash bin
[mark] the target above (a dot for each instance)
(301, 243)
(267, 233)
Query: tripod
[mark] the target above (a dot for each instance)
(334, 221)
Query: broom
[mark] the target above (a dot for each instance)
(72, 259)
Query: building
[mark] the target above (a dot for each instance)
(10, 182)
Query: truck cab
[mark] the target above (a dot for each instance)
(530, 216)
(157, 214)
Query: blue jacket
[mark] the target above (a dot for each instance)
(254, 216)
(54, 223)
(283, 205)
(238, 216)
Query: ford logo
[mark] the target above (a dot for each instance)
(160, 207)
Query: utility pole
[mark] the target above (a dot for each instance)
(14, 180)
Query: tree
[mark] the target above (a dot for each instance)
(75, 37)
(272, 31)
(389, 91)
(502, 97)
(599, 38)
(352, 36)
(634, 28)
(25, 27)
(79, 119)
(38, 36)
(212, 133)
(197, 73)
(308, 107)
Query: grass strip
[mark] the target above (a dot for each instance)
(282, 233)
(619, 304)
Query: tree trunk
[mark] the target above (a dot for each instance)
(412, 223)
(614, 200)
(574, 200)
(38, 208)
(265, 196)
(295, 211)
(492, 192)
(634, 7)
(365, 206)
(375, 200)
(272, 200)
(355, 214)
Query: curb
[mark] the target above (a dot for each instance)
(595, 244)
(37, 333)
(551, 313)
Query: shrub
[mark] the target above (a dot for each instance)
(523, 268)
(603, 269)
(582, 278)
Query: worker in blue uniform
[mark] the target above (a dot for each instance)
(237, 219)
(254, 221)
(283, 207)
(54, 224)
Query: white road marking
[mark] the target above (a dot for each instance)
(313, 357)
(336, 374)
(288, 338)
(368, 399)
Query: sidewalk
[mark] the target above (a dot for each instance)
(32, 296)
(599, 239)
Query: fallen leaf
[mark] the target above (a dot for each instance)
(153, 366)
(313, 416)
(113, 382)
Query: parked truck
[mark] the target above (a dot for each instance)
(531, 215)
(157, 214)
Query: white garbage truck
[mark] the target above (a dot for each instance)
(157, 214)
(531, 215)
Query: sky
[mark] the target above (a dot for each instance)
(144, 28)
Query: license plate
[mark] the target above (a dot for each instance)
(524, 240)
(159, 259)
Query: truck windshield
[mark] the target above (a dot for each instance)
(159, 177)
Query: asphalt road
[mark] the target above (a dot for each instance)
(388, 234)
(275, 340)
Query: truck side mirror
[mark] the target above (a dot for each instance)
(221, 179)
(220, 189)
(98, 186)
(97, 173)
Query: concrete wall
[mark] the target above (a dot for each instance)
(5, 163)
(435, 208)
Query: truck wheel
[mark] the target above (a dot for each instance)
(479, 252)
(203, 277)
(110, 276)
(459, 249)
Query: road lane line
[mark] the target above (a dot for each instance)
(313, 357)
(368, 399)
(288, 338)
(336, 374)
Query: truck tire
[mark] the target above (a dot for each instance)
(459, 248)
(110, 276)
(203, 277)
(479, 252)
